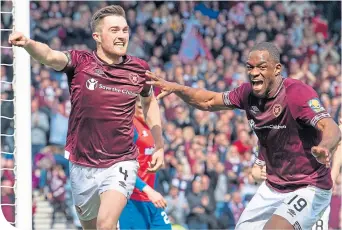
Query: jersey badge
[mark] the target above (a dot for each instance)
(315, 105)
(134, 78)
(277, 109)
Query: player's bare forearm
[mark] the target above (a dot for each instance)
(331, 134)
(152, 116)
(45, 55)
(201, 99)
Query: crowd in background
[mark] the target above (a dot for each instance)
(206, 179)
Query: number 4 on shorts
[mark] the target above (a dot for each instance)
(124, 173)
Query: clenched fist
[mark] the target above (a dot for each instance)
(18, 39)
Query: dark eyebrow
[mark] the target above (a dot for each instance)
(118, 27)
(259, 64)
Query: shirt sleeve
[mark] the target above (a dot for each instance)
(260, 155)
(75, 59)
(237, 97)
(304, 104)
(147, 89)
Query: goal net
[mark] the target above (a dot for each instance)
(15, 160)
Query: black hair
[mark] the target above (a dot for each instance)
(270, 48)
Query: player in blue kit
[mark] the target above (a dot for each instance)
(145, 209)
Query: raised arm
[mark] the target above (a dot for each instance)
(199, 98)
(39, 51)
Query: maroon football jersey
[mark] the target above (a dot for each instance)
(103, 97)
(285, 125)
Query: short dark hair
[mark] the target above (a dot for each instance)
(270, 48)
(104, 12)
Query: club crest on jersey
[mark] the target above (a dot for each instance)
(277, 109)
(134, 78)
(315, 105)
(91, 84)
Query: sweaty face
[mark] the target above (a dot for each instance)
(261, 72)
(114, 35)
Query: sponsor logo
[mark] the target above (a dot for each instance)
(91, 84)
(78, 209)
(122, 184)
(297, 226)
(149, 151)
(144, 133)
(277, 109)
(254, 127)
(113, 89)
(99, 71)
(134, 78)
(291, 212)
(315, 105)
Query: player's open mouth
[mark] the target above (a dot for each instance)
(257, 85)
(119, 44)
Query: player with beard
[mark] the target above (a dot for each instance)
(104, 85)
(296, 135)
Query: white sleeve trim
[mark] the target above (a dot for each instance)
(226, 99)
(259, 162)
(318, 117)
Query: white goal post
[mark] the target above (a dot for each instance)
(22, 123)
(22, 110)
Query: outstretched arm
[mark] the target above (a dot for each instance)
(199, 98)
(39, 51)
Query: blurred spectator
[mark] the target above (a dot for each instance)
(59, 124)
(57, 181)
(177, 207)
(7, 200)
(197, 204)
(39, 128)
